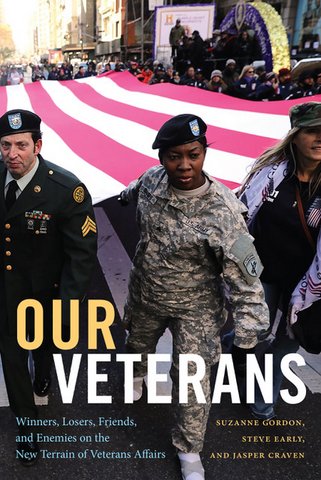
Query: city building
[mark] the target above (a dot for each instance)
(121, 29)
(79, 28)
(7, 46)
(111, 23)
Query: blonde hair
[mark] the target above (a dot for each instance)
(245, 70)
(284, 149)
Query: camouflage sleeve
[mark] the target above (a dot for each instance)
(130, 193)
(151, 177)
(241, 270)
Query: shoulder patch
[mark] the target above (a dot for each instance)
(247, 258)
(79, 194)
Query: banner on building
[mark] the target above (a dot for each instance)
(192, 17)
(55, 56)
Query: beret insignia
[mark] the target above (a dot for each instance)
(15, 121)
(195, 129)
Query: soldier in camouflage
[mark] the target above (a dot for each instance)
(194, 248)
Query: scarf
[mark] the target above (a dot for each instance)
(254, 193)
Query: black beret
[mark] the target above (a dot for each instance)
(185, 128)
(19, 121)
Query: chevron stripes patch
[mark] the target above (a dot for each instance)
(88, 226)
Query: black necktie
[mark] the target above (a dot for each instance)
(11, 194)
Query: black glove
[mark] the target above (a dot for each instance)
(123, 200)
(239, 359)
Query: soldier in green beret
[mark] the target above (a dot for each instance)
(193, 243)
(48, 250)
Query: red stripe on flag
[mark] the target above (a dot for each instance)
(220, 138)
(116, 160)
(3, 100)
(228, 183)
(206, 98)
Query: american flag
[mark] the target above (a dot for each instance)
(102, 128)
(314, 213)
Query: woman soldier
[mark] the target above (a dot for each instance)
(192, 239)
(285, 180)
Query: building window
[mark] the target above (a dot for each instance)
(107, 26)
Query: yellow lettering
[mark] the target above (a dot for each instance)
(21, 324)
(94, 325)
(58, 323)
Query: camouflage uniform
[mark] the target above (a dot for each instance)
(191, 252)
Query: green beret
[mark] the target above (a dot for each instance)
(179, 130)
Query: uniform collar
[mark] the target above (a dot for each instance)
(33, 194)
(163, 190)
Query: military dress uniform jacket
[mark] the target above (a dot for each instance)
(48, 241)
(190, 251)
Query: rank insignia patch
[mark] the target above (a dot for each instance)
(88, 226)
(79, 194)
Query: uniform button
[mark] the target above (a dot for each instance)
(8, 253)
(7, 226)
(9, 267)
(50, 172)
(37, 232)
(8, 239)
(56, 285)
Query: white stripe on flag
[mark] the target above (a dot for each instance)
(263, 124)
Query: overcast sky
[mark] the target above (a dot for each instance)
(18, 14)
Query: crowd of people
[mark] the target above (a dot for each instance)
(222, 45)
(15, 74)
(11, 75)
(230, 76)
(251, 83)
